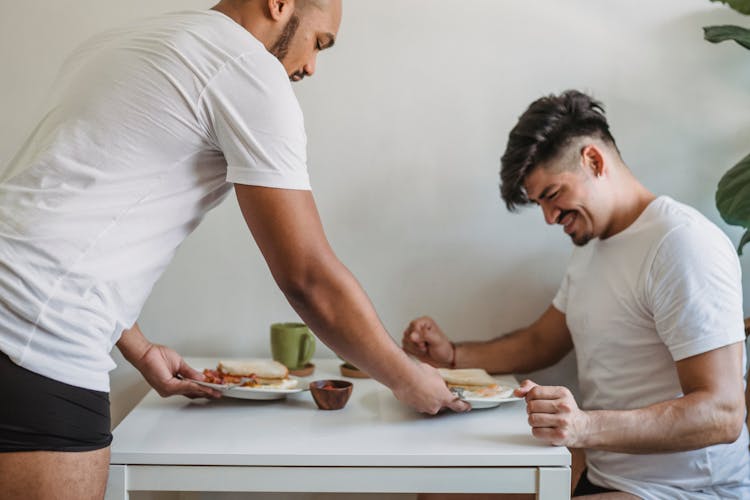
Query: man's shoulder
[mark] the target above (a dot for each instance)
(187, 32)
(683, 232)
(669, 218)
(669, 212)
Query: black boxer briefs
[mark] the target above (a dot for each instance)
(38, 413)
(586, 487)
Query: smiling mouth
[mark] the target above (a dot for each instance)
(567, 219)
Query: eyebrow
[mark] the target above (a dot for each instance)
(543, 195)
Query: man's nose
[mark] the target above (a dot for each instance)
(309, 67)
(550, 213)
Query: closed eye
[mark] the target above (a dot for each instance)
(325, 41)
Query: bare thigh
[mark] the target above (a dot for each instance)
(37, 475)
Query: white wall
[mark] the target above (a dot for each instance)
(407, 118)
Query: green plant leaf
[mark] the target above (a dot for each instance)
(742, 6)
(716, 34)
(733, 197)
(745, 239)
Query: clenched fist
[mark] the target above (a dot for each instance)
(424, 339)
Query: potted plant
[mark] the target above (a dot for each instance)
(733, 191)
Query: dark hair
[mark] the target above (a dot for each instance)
(542, 132)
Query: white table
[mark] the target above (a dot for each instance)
(375, 445)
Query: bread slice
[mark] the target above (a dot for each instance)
(261, 368)
(467, 377)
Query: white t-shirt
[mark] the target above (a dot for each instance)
(146, 130)
(666, 288)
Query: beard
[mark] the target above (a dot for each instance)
(280, 47)
(581, 240)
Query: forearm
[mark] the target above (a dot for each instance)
(687, 423)
(539, 345)
(333, 304)
(499, 355)
(133, 344)
(516, 352)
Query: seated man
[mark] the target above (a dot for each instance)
(651, 301)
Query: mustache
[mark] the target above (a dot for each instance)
(562, 215)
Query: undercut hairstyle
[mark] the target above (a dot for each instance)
(543, 132)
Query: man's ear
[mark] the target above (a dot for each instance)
(593, 160)
(281, 10)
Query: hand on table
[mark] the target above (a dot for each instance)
(424, 339)
(554, 416)
(161, 365)
(427, 393)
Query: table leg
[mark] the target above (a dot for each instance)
(117, 484)
(554, 483)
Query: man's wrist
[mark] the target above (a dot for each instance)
(400, 372)
(587, 432)
(454, 348)
(134, 345)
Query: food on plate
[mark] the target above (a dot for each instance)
(254, 373)
(473, 383)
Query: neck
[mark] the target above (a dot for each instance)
(250, 16)
(631, 200)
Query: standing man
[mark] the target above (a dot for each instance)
(148, 128)
(652, 303)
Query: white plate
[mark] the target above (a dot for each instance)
(264, 393)
(507, 382)
(218, 387)
(491, 402)
(237, 391)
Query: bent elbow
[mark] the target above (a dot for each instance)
(296, 288)
(732, 424)
(312, 282)
(734, 430)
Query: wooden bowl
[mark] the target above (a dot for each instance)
(331, 394)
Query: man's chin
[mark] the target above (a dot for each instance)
(582, 240)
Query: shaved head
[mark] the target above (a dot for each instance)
(294, 31)
(319, 4)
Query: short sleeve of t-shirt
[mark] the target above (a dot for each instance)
(560, 302)
(256, 122)
(694, 291)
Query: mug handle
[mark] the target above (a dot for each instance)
(308, 348)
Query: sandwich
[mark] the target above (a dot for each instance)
(254, 373)
(472, 382)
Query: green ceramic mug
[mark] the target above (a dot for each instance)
(292, 344)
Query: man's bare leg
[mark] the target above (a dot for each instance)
(38, 475)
